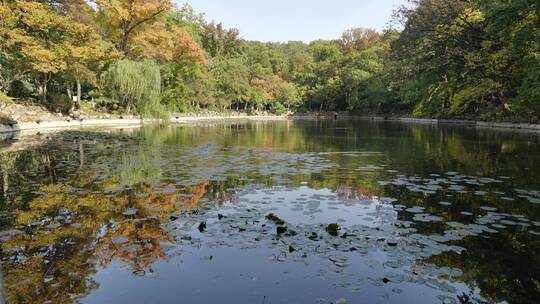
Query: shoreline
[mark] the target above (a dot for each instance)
(25, 128)
(28, 128)
(455, 122)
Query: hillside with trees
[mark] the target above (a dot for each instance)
(475, 59)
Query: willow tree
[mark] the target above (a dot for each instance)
(136, 85)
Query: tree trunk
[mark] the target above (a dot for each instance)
(5, 185)
(41, 82)
(68, 90)
(128, 106)
(44, 92)
(78, 101)
(122, 47)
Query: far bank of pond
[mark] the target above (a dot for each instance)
(32, 127)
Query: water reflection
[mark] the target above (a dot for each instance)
(421, 215)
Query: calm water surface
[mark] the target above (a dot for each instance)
(272, 212)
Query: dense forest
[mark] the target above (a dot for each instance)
(438, 58)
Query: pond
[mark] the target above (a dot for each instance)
(272, 212)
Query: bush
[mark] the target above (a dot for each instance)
(60, 103)
(4, 98)
(278, 108)
(23, 89)
(108, 104)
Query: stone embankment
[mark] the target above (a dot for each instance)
(470, 123)
(9, 128)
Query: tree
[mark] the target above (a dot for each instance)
(79, 10)
(218, 41)
(36, 40)
(84, 58)
(513, 51)
(167, 44)
(136, 84)
(361, 82)
(324, 80)
(528, 93)
(286, 94)
(34, 36)
(233, 82)
(436, 51)
(358, 39)
(186, 18)
(123, 18)
(187, 87)
(469, 58)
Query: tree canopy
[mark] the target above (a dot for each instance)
(447, 58)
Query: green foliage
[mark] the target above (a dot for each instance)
(453, 58)
(36, 41)
(219, 41)
(107, 104)
(469, 57)
(232, 82)
(138, 168)
(364, 89)
(4, 99)
(60, 103)
(136, 84)
(286, 96)
(186, 18)
(528, 98)
(483, 90)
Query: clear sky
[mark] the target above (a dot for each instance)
(307, 20)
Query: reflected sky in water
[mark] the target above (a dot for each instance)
(272, 212)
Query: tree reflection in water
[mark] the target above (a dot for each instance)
(78, 201)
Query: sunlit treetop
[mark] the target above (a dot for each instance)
(175, 44)
(123, 18)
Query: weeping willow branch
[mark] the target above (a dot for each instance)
(136, 84)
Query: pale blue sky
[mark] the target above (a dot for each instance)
(307, 20)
